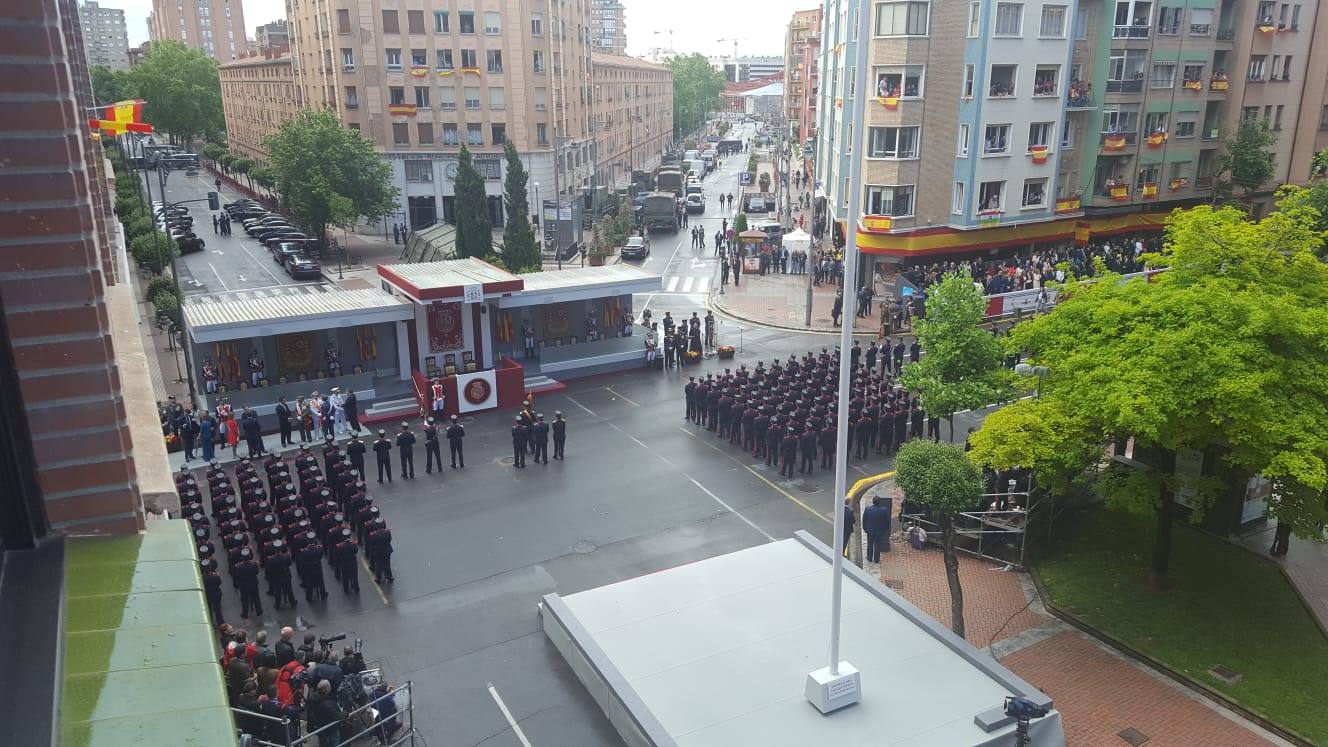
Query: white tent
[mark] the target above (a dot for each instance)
(797, 239)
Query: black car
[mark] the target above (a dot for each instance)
(258, 229)
(271, 241)
(300, 266)
(275, 233)
(284, 250)
(190, 245)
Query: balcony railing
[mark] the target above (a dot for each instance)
(1212, 133)
(1130, 32)
(1203, 182)
(1118, 141)
(1226, 35)
(1125, 86)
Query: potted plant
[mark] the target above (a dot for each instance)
(724, 352)
(596, 257)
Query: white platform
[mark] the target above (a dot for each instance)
(717, 653)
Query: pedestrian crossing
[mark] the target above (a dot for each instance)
(687, 285)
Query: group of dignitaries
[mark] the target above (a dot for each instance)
(787, 412)
(277, 516)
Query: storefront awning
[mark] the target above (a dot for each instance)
(241, 315)
(580, 284)
(449, 280)
(931, 242)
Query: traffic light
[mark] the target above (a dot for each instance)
(214, 203)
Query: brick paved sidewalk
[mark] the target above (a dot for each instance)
(1098, 691)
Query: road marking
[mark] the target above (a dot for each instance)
(701, 284)
(583, 407)
(381, 596)
(673, 283)
(762, 477)
(687, 285)
(516, 728)
(218, 274)
(625, 399)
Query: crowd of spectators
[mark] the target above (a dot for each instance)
(1034, 270)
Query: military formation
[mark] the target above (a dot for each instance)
(404, 443)
(530, 435)
(787, 413)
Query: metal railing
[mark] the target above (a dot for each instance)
(1130, 32)
(1134, 85)
(398, 729)
(998, 535)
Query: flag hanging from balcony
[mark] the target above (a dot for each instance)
(890, 102)
(119, 118)
(401, 110)
(1156, 139)
(1113, 142)
(1150, 190)
(1179, 183)
(1120, 193)
(419, 71)
(1038, 152)
(1267, 28)
(989, 217)
(444, 73)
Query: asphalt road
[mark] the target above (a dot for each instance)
(640, 491)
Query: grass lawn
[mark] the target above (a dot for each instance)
(1225, 606)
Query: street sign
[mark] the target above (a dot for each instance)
(745, 178)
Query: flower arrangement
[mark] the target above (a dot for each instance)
(724, 351)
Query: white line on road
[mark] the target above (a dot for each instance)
(687, 285)
(673, 284)
(218, 274)
(583, 407)
(516, 728)
(701, 284)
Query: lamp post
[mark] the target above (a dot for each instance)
(1041, 372)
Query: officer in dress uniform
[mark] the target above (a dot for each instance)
(378, 546)
(212, 588)
(431, 451)
(383, 448)
(406, 452)
(829, 435)
(356, 450)
(520, 434)
(246, 578)
(278, 571)
(539, 434)
(807, 450)
(311, 567)
(559, 429)
(788, 448)
(348, 570)
(689, 393)
(455, 434)
(773, 434)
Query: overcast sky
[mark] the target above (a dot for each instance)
(697, 25)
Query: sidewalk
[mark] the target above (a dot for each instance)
(1004, 617)
(781, 301)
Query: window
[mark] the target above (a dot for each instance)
(419, 171)
(415, 22)
(1295, 17)
(957, 204)
(343, 21)
(991, 196)
(893, 201)
(472, 95)
(537, 24)
(422, 97)
(1323, 119)
(1046, 80)
(1068, 131)
(542, 133)
(1002, 80)
(474, 133)
(1286, 68)
(494, 57)
(1164, 75)
(419, 58)
(968, 81)
(424, 131)
(1146, 175)
(541, 99)
(539, 60)
(450, 134)
(899, 80)
(394, 59)
(1120, 120)
(961, 149)
(1185, 127)
(352, 98)
(469, 59)
(497, 98)
(1035, 193)
(1156, 122)
(892, 142)
(348, 59)
(466, 21)
(442, 24)
(1009, 19)
(1249, 112)
(444, 59)
(997, 140)
(1179, 170)
(1255, 72)
(447, 97)
(974, 19)
(1201, 21)
(391, 24)
(396, 95)
(1265, 13)
(1277, 117)
(1168, 21)
(492, 23)
(901, 19)
(1053, 22)
(1282, 16)
(1039, 133)
(499, 132)
(1193, 73)
(400, 133)
(1132, 19)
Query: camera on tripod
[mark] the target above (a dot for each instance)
(326, 641)
(1023, 709)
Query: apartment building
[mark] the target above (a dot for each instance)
(136, 54)
(999, 124)
(802, 55)
(214, 26)
(272, 36)
(608, 27)
(419, 82)
(633, 105)
(745, 69)
(258, 93)
(105, 39)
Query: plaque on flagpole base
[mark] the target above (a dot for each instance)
(830, 692)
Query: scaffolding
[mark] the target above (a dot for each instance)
(999, 533)
(367, 723)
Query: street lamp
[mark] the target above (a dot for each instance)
(1041, 372)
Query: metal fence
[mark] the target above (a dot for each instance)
(366, 725)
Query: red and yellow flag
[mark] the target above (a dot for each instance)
(119, 118)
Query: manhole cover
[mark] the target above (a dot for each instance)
(584, 547)
(807, 487)
(1133, 736)
(506, 460)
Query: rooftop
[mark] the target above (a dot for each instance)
(448, 279)
(211, 319)
(582, 283)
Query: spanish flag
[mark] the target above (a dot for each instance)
(505, 328)
(119, 118)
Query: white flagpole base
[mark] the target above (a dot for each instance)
(830, 692)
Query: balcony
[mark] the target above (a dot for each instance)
(1126, 86)
(1203, 182)
(1130, 32)
(1212, 133)
(1115, 142)
(1080, 95)
(1226, 35)
(1218, 84)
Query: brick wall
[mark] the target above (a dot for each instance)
(55, 265)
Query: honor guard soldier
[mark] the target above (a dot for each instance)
(807, 450)
(378, 546)
(689, 392)
(699, 396)
(345, 553)
(406, 451)
(331, 454)
(431, 450)
(862, 435)
(915, 417)
(366, 518)
(304, 459)
(383, 448)
(759, 426)
(901, 424)
(829, 434)
(539, 434)
(788, 451)
(749, 425)
(357, 503)
(355, 450)
(519, 435)
(559, 429)
(310, 564)
(246, 578)
(212, 588)
(278, 570)
(455, 433)
(772, 437)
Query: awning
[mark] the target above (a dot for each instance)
(930, 242)
(449, 280)
(243, 314)
(579, 284)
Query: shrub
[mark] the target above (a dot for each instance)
(158, 285)
(138, 225)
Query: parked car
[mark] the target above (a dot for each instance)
(294, 237)
(695, 204)
(284, 250)
(258, 229)
(190, 245)
(278, 234)
(637, 247)
(300, 266)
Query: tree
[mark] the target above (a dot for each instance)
(941, 477)
(614, 230)
(1221, 354)
(327, 174)
(521, 253)
(109, 86)
(963, 368)
(1314, 195)
(213, 152)
(697, 86)
(264, 177)
(244, 166)
(1247, 157)
(764, 181)
(474, 232)
(739, 223)
(154, 250)
(181, 90)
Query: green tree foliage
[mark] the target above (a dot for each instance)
(326, 174)
(1247, 156)
(963, 368)
(110, 86)
(213, 151)
(764, 181)
(941, 476)
(1222, 354)
(153, 250)
(181, 90)
(264, 177)
(474, 232)
(521, 253)
(614, 230)
(739, 223)
(697, 86)
(158, 285)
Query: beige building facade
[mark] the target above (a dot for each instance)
(608, 27)
(257, 94)
(214, 26)
(419, 82)
(802, 51)
(633, 105)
